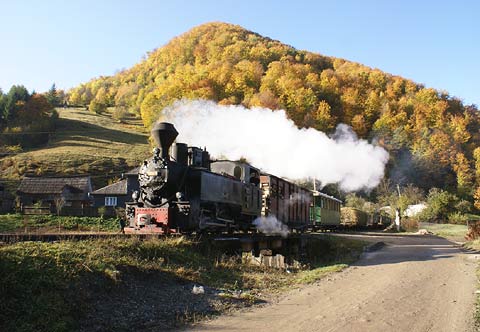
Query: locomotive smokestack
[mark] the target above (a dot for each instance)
(164, 134)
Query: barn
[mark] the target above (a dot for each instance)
(68, 194)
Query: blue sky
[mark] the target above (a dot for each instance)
(435, 43)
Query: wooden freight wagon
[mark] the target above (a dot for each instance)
(288, 202)
(351, 217)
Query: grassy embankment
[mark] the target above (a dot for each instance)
(50, 286)
(17, 223)
(83, 143)
(445, 230)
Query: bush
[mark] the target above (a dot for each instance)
(464, 206)
(54, 115)
(97, 107)
(120, 113)
(409, 224)
(457, 218)
(440, 204)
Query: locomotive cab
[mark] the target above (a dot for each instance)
(239, 170)
(249, 176)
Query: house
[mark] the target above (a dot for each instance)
(117, 194)
(51, 194)
(6, 200)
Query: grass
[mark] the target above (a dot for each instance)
(16, 223)
(445, 230)
(342, 251)
(473, 217)
(310, 276)
(43, 285)
(475, 245)
(83, 143)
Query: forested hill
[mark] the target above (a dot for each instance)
(432, 137)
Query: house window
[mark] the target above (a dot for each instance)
(110, 201)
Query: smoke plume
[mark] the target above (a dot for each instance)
(272, 142)
(271, 226)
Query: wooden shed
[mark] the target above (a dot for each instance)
(47, 194)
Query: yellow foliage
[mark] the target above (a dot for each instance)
(464, 173)
(476, 197)
(231, 65)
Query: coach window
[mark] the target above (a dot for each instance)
(110, 201)
(237, 172)
(254, 178)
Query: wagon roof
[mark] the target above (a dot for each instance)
(318, 193)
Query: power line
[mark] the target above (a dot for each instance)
(86, 132)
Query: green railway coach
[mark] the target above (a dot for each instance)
(325, 211)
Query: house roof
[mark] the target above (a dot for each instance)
(54, 185)
(117, 188)
(133, 171)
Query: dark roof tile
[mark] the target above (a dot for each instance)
(117, 188)
(54, 185)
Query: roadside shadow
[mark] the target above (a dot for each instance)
(412, 248)
(152, 301)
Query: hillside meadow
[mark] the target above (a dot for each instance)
(83, 143)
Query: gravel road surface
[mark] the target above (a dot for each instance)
(414, 283)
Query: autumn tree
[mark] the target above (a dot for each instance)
(476, 197)
(323, 116)
(97, 106)
(2, 107)
(465, 177)
(52, 96)
(17, 96)
(30, 118)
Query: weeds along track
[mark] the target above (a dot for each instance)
(72, 236)
(218, 239)
(22, 237)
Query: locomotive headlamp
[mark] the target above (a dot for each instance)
(179, 195)
(135, 195)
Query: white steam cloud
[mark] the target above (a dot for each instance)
(271, 226)
(272, 142)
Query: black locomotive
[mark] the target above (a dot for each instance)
(181, 190)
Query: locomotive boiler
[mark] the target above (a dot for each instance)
(179, 192)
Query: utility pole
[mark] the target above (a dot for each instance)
(398, 215)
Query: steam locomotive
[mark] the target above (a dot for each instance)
(180, 192)
(183, 191)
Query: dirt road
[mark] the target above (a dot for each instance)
(415, 283)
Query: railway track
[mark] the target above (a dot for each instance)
(218, 238)
(234, 243)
